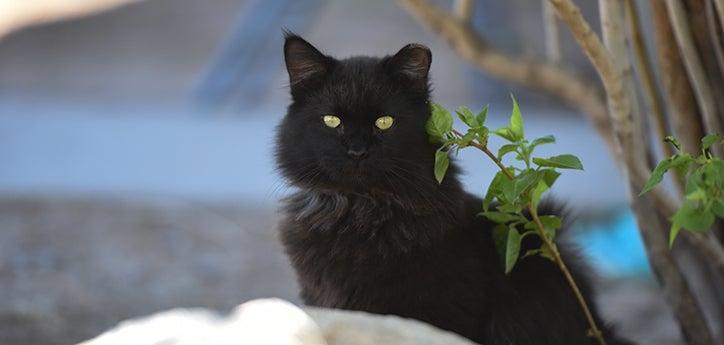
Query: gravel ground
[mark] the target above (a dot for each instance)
(71, 268)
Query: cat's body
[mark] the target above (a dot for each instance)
(375, 232)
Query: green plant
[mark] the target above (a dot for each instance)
(512, 198)
(704, 186)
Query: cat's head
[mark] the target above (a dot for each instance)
(357, 124)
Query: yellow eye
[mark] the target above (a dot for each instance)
(331, 121)
(384, 122)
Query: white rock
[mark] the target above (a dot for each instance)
(259, 322)
(343, 327)
(275, 322)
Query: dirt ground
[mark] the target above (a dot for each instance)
(71, 268)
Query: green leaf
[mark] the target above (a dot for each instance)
(516, 121)
(507, 190)
(513, 189)
(530, 252)
(550, 225)
(717, 166)
(560, 161)
(547, 253)
(514, 132)
(673, 141)
(512, 249)
(693, 218)
(550, 176)
(695, 181)
(441, 164)
(467, 116)
(548, 139)
(511, 207)
(656, 176)
(439, 123)
(501, 217)
(482, 116)
(482, 133)
(493, 189)
(506, 134)
(718, 207)
(523, 181)
(698, 194)
(505, 149)
(549, 221)
(467, 138)
(681, 162)
(500, 237)
(537, 193)
(709, 140)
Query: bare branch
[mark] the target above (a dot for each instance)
(691, 320)
(464, 9)
(614, 40)
(683, 111)
(716, 43)
(652, 96)
(544, 77)
(694, 68)
(648, 83)
(676, 289)
(720, 9)
(549, 78)
(552, 36)
(709, 247)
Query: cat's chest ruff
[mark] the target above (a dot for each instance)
(353, 224)
(340, 213)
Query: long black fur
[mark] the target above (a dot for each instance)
(380, 234)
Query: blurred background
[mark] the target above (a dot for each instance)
(136, 172)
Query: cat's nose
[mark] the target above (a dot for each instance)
(357, 153)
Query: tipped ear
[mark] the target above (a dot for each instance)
(304, 62)
(412, 61)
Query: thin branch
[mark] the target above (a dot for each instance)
(545, 77)
(720, 9)
(464, 9)
(652, 95)
(593, 330)
(710, 248)
(684, 118)
(691, 319)
(714, 34)
(552, 35)
(683, 112)
(549, 78)
(692, 323)
(491, 155)
(614, 39)
(694, 67)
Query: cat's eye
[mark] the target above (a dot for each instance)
(331, 121)
(384, 122)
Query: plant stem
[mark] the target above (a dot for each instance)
(594, 331)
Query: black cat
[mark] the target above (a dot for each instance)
(369, 227)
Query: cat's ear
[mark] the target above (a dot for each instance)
(304, 62)
(412, 62)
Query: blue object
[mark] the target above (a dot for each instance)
(243, 70)
(614, 246)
